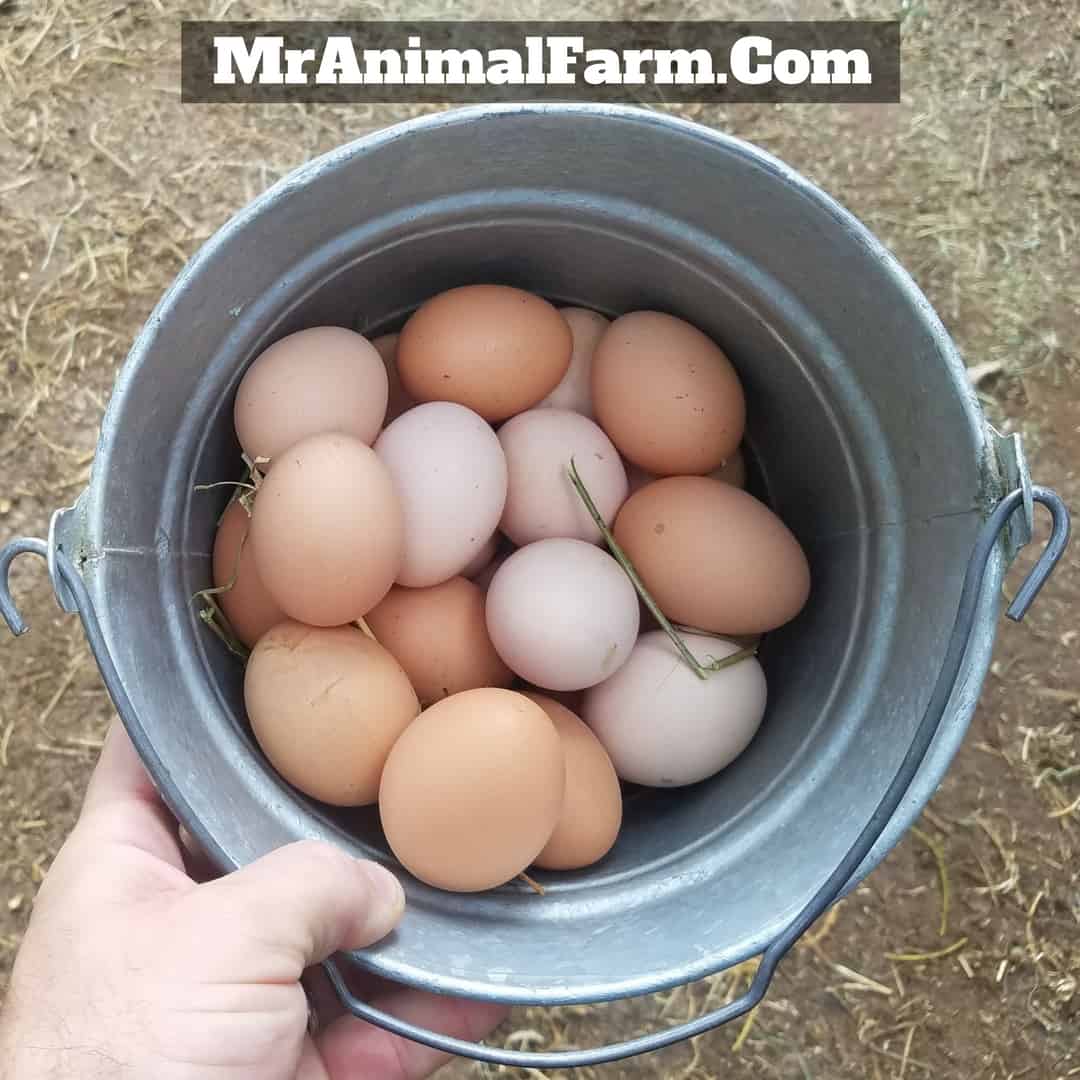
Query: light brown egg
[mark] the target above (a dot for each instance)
(398, 400)
(327, 530)
(247, 605)
(712, 556)
(323, 379)
(495, 349)
(326, 706)
(592, 804)
(666, 394)
(439, 636)
(473, 789)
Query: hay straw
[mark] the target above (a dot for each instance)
(919, 957)
(938, 853)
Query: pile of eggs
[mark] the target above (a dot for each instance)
(438, 624)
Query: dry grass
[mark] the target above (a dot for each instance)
(107, 185)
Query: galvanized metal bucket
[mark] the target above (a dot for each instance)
(868, 441)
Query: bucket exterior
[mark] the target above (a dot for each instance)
(868, 440)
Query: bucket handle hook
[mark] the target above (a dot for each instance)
(825, 896)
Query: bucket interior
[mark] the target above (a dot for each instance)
(580, 264)
(860, 436)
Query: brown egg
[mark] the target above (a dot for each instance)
(667, 396)
(326, 706)
(247, 605)
(440, 638)
(323, 379)
(712, 556)
(733, 471)
(592, 805)
(492, 348)
(327, 530)
(473, 789)
(398, 400)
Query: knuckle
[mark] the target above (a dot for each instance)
(325, 858)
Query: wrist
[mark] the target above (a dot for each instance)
(34, 1046)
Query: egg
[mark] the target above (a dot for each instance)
(562, 614)
(326, 705)
(247, 604)
(327, 530)
(712, 556)
(541, 500)
(440, 638)
(666, 394)
(592, 802)
(495, 349)
(449, 472)
(575, 392)
(662, 725)
(314, 381)
(398, 401)
(473, 789)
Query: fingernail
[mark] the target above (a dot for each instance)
(386, 901)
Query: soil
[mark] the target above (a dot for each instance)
(107, 184)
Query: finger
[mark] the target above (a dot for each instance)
(352, 1047)
(311, 1065)
(291, 909)
(122, 805)
(119, 775)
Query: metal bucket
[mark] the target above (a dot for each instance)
(868, 443)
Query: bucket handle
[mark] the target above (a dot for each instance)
(771, 956)
(834, 885)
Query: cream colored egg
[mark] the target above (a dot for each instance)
(662, 725)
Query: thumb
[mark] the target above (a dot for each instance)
(288, 910)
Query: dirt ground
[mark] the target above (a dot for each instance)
(108, 184)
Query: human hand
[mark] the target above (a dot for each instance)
(131, 969)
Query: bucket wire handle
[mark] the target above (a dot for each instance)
(834, 885)
(818, 904)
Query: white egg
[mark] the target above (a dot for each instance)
(663, 726)
(450, 476)
(574, 391)
(541, 501)
(562, 614)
